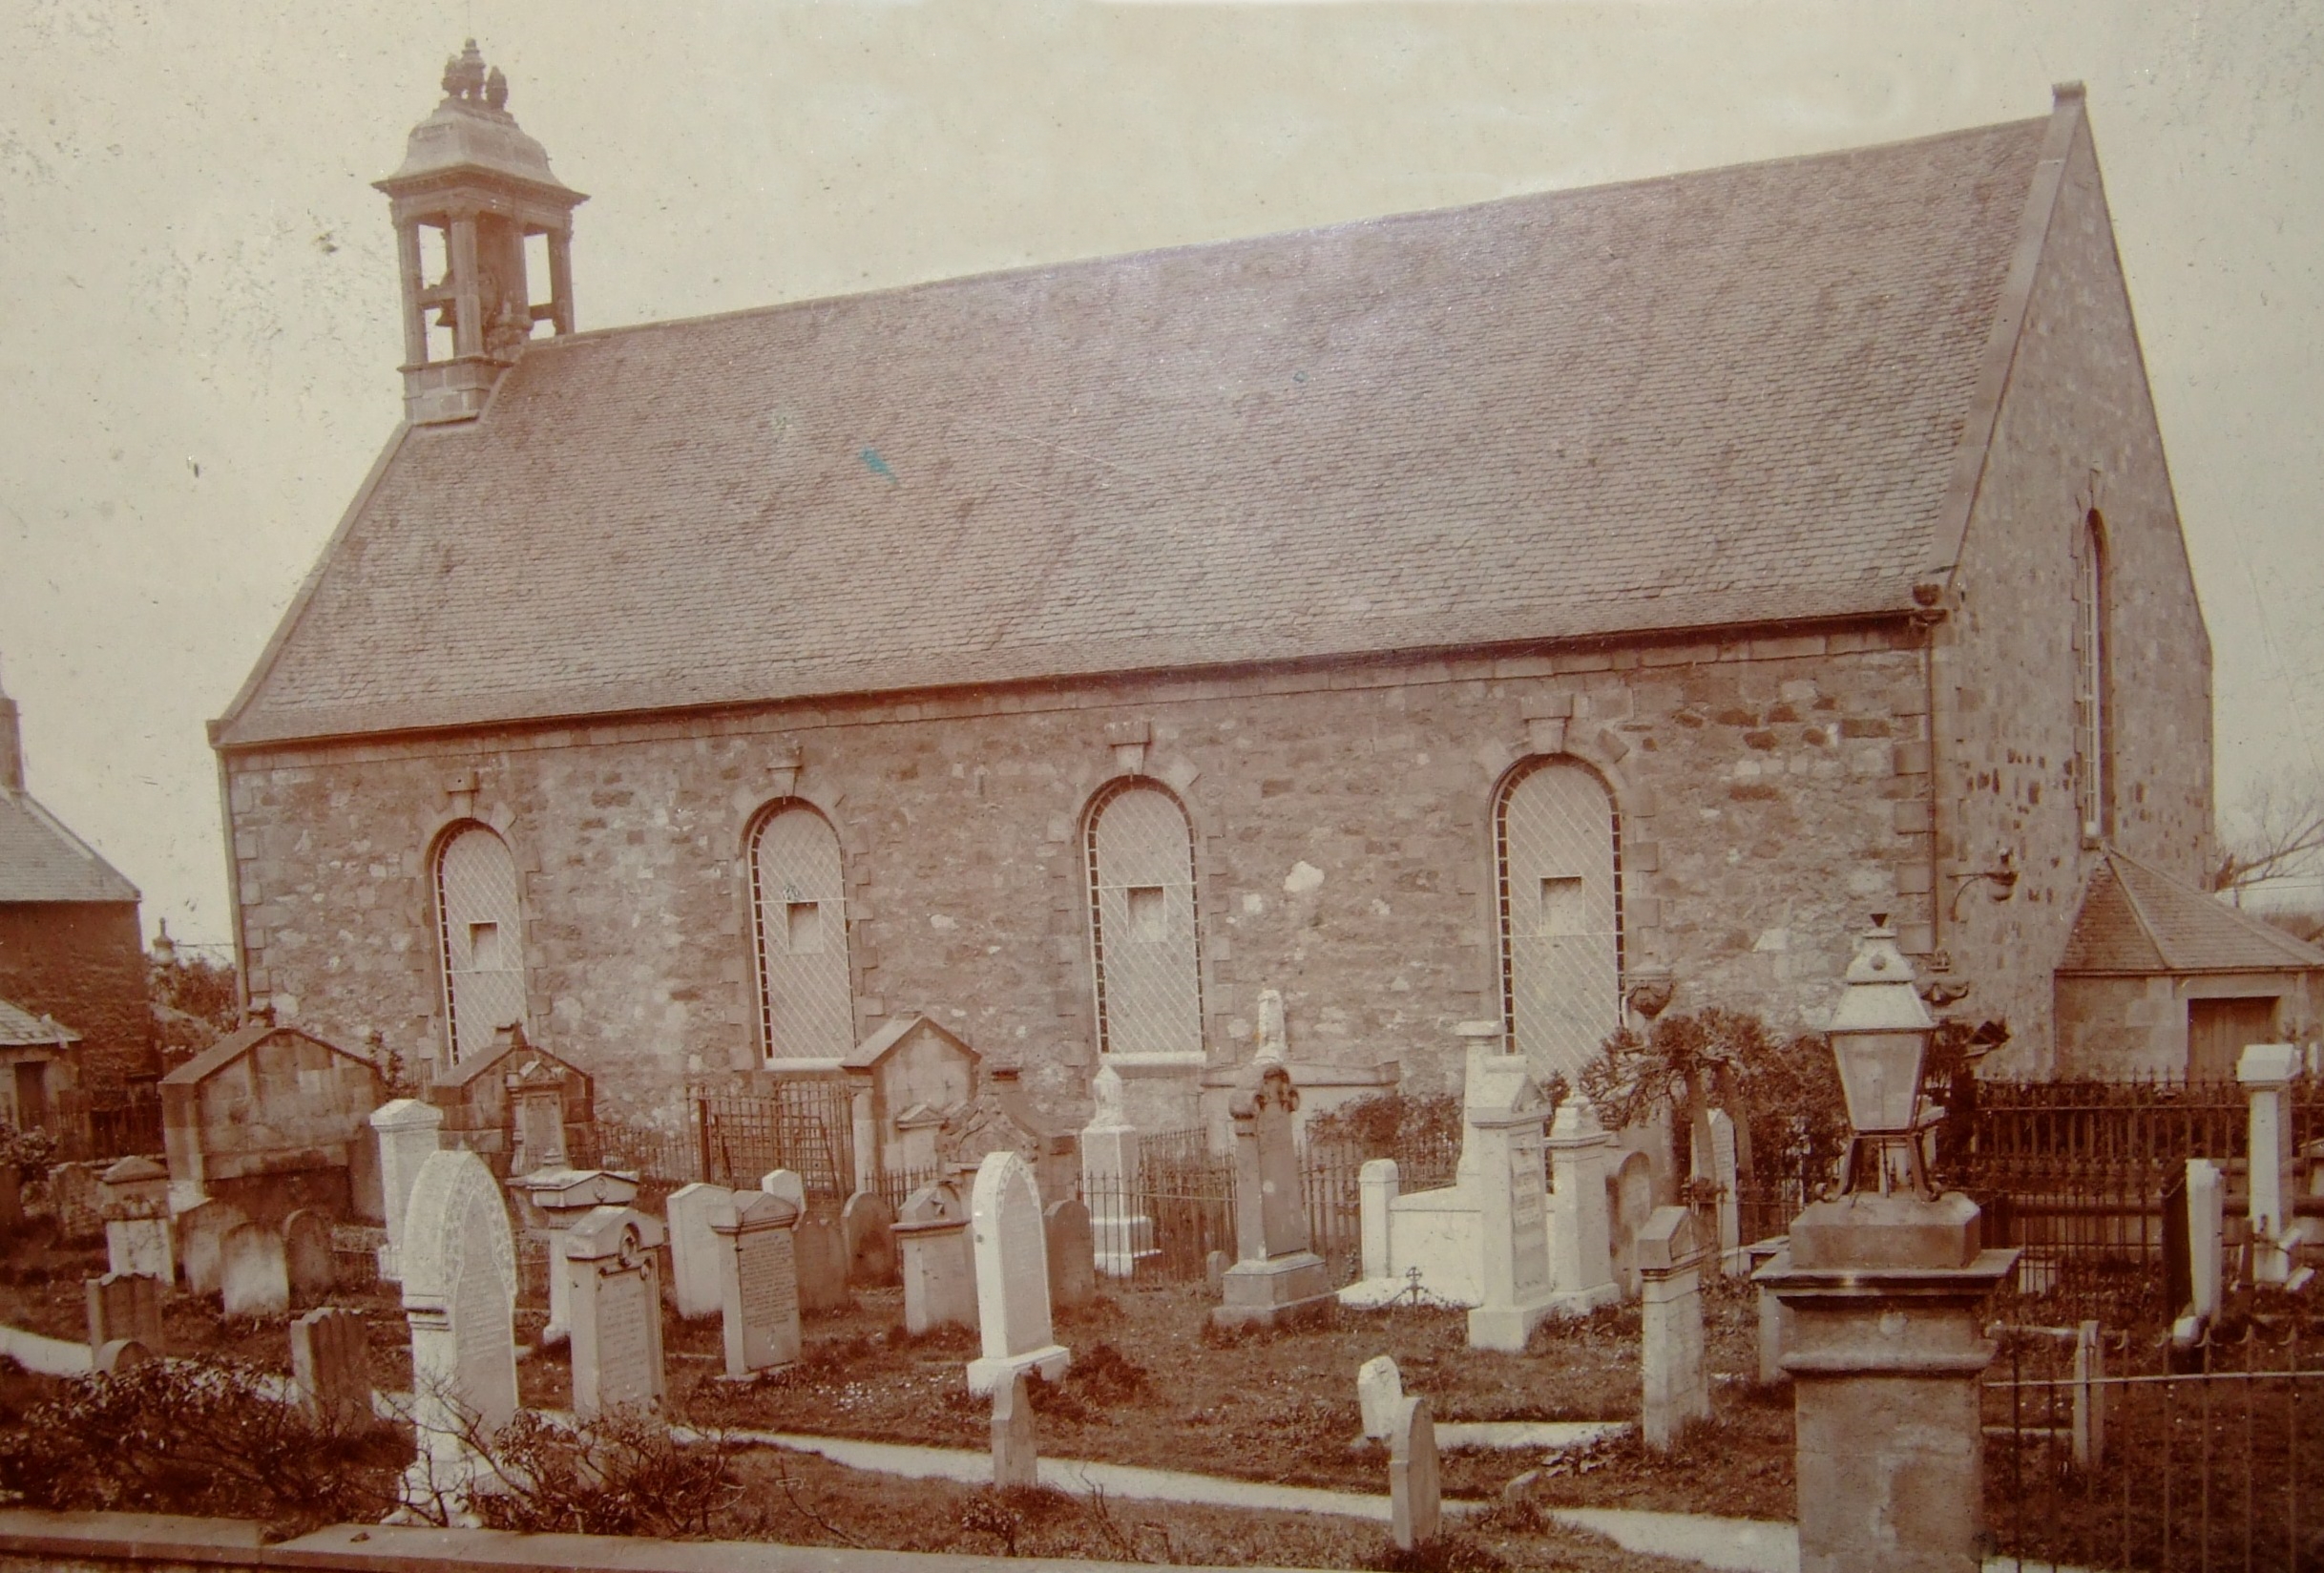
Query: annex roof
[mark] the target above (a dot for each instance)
(21, 1029)
(231, 1047)
(1730, 397)
(40, 860)
(2141, 921)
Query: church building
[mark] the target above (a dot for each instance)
(1513, 612)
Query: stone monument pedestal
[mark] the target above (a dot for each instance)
(1270, 1292)
(1886, 1356)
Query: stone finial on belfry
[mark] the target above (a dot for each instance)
(464, 74)
(496, 90)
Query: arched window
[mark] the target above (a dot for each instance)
(799, 914)
(2090, 698)
(479, 938)
(1558, 856)
(1142, 931)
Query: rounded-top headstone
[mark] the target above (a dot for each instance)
(307, 1255)
(869, 1225)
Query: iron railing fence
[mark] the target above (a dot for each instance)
(122, 1130)
(667, 1157)
(807, 1126)
(2147, 1456)
(2143, 1129)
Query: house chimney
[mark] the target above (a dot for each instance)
(12, 747)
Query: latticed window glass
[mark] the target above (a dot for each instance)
(480, 938)
(2090, 679)
(1143, 940)
(1558, 849)
(807, 1004)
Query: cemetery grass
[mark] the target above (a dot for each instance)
(1151, 1385)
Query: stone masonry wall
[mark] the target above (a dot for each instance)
(1764, 815)
(2077, 429)
(82, 962)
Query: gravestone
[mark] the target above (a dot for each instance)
(1414, 1499)
(1378, 1184)
(201, 1241)
(1011, 1264)
(1580, 1250)
(1276, 1277)
(1775, 1316)
(408, 1131)
(253, 1276)
(134, 1196)
(785, 1183)
(536, 1116)
(693, 1251)
(1379, 1388)
(1676, 1383)
(2266, 1071)
(120, 1355)
(867, 1225)
(307, 1261)
(613, 1292)
(123, 1304)
(1017, 1459)
(1630, 1202)
(757, 1283)
(931, 1233)
(1712, 1160)
(821, 1251)
(331, 1366)
(1214, 1270)
(1502, 1110)
(459, 1262)
(1073, 1254)
(554, 1201)
(2178, 1268)
(2206, 1236)
(1123, 1235)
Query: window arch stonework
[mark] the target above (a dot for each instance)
(479, 937)
(799, 926)
(1559, 899)
(1144, 920)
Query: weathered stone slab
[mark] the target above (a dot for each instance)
(331, 1366)
(254, 1279)
(1073, 1254)
(125, 1305)
(1017, 1459)
(408, 1131)
(312, 1269)
(694, 1250)
(938, 1267)
(133, 1197)
(1415, 1498)
(1379, 1388)
(1676, 1379)
(867, 1224)
(201, 1239)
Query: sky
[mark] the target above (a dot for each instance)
(197, 356)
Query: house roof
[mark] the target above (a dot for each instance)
(1730, 397)
(20, 1028)
(40, 860)
(2139, 920)
(205, 1064)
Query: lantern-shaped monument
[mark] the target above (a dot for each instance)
(1884, 1281)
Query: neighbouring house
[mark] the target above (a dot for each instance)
(1474, 614)
(2161, 978)
(70, 951)
(272, 1118)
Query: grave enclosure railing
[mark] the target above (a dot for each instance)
(2209, 1458)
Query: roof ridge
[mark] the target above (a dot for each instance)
(2294, 947)
(1402, 216)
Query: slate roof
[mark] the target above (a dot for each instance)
(1727, 397)
(20, 1028)
(40, 860)
(2138, 921)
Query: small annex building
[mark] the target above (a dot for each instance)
(1474, 614)
(271, 1119)
(76, 1028)
(2161, 978)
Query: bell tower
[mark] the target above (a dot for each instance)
(474, 196)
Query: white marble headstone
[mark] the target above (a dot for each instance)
(1012, 1275)
(694, 1250)
(459, 1262)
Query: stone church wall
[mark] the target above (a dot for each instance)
(2076, 429)
(1773, 794)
